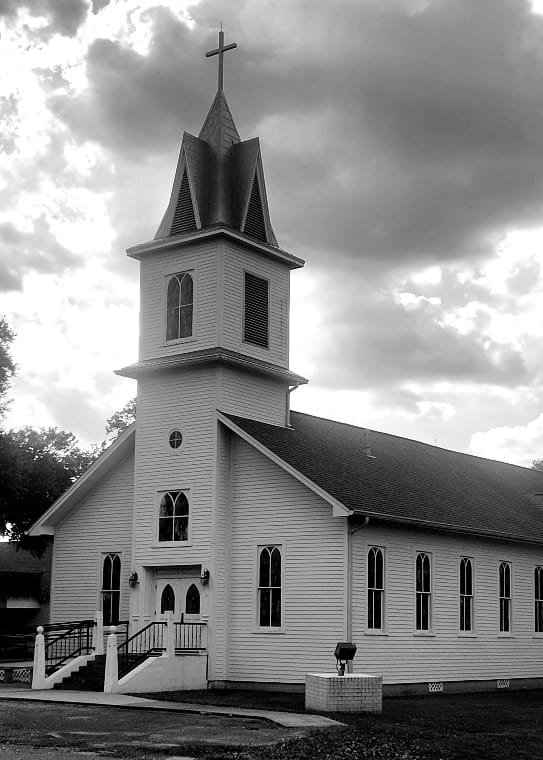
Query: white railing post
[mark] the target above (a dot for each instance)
(111, 677)
(38, 670)
(98, 633)
(169, 642)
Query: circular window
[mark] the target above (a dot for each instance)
(175, 439)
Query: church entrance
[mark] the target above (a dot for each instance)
(180, 595)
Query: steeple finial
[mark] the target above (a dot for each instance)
(220, 51)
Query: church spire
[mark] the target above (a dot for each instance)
(219, 179)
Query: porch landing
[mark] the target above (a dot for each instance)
(286, 719)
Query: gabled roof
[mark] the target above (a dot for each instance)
(404, 481)
(119, 449)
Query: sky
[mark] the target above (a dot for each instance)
(403, 153)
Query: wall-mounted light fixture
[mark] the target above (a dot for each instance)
(133, 579)
(204, 576)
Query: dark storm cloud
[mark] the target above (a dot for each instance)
(38, 250)
(63, 16)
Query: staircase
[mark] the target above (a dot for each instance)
(90, 677)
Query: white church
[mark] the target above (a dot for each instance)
(267, 535)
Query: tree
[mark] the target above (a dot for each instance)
(36, 467)
(537, 464)
(7, 365)
(119, 421)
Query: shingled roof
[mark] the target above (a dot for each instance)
(407, 481)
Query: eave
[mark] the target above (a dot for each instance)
(115, 453)
(176, 241)
(211, 356)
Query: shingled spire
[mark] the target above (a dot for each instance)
(219, 180)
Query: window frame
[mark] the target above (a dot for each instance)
(192, 271)
(101, 590)
(470, 597)
(538, 602)
(375, 631)
(258, 549)
(424, 594)
(243, 311)
(173, 542)
(508, 599)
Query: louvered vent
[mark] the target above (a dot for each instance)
(254, 221)
(255, 325)
(183, 219)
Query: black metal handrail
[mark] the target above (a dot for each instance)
(63, 641)
(189, 636)
(147, 641)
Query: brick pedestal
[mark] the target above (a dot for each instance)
(353, 692)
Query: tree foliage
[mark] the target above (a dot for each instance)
(537, 464)
(7, 366)
(119, 421)
(36, 467)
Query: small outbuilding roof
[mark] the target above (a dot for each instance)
(404, 481)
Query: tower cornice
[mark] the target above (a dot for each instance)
(143, 250)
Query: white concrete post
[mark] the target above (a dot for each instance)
(111, 678)
(98, 633)
(38, 671)
(169, 634)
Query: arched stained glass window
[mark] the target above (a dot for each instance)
(423, 591)
(173, 517)
(179, 306)
(466, 594)
(376, 587)
(505, 597)
(167, 599)
(269, 586)
(538, 599)
(111, 588)
(192, 601)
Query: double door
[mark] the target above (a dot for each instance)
(179, 595)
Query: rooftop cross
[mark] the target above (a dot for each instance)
(220, 51)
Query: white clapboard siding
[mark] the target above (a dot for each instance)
(237, 260)
(250, 395)
(201, 260)
(99, 524)
(402, 655)
(186, 402)
(271, 507)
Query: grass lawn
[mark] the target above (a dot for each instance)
(492, 726)
(489, 726)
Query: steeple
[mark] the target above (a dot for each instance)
(219, 180)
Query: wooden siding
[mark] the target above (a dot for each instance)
(271, 507)
(402, 655)
(99, 524)
(250, 395)
(202, 260)
(237, 260)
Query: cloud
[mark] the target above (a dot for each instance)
(520, 443)
(61, 16)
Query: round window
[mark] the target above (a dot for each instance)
(175, 439)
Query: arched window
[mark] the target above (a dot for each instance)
(173, 517)
(505, 597)
(376, 587)
(269, 587)
(466, 594)
(111, 588)
(538, 599)
(179, 306)
(192, 601)
(423, 591)
(167, 599)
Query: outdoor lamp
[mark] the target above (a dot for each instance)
(133, 579)
(344, 653)
(204, 576)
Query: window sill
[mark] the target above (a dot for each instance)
(375, 633)
(467, 635)
(169, 544)
(177, 341)
(266, 631)
(424, 634)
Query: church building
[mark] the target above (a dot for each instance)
(281, 533)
